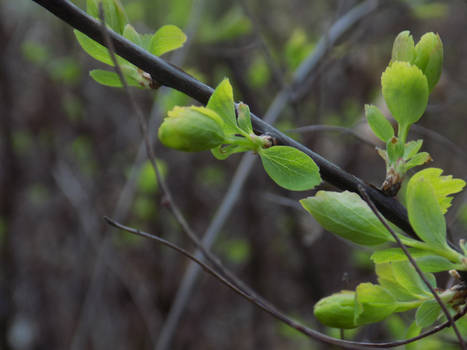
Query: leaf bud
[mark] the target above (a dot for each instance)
(403, 47)
(337, 310)
(429, 57)
(192, 129)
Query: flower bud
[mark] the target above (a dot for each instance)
(337, 310)
(403, 47)
(429, 57)
(192, 129)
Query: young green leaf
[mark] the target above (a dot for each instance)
(443, 186)
(373, 303)
(191, 129)
(244, 119)
(413, 331)
(131, 34)
(425, 259)
(111, 79)
(93, 48)
(403, 48)
(378, 123)
(429, 57)
(427, 313)
(411, 148)
(114, 15)
(166, 39)
(406, 276)
(405, 90)
(221, 101)
(425, 214)
(92, 8)
(337, 310)
(387, 279)
(290, 168)
(418, 159)
(347, 215)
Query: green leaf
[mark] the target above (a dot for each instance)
(425, 214)
(411, 148)
(93, 48)
(166, 39)
(337, 310)
(244, 119)
(92, 8)
(413, 331)
(378, 123)
(191, 129)
(373, 303)
(425, 260)
(405, 90)
(418, 159)
(111, 79)
(114, 15)
(348, 216)
(387, 279)
(427, 313)
(131, 34)
(221, 101)
(407, 277)
(429, 57)
(443, 186)
(290, 168)
(403, 48)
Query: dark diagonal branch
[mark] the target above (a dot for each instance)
(171, 76)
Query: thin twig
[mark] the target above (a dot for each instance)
(341, 129)
(414, 264)
(274, 311)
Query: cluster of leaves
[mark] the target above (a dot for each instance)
(225, 129)
(400, 288)
(165, 39)
(406, 83)
(410, 76)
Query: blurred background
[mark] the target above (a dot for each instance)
(70, 153)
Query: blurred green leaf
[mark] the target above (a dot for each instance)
(232, 25)
(147, 182)
(427, 313)
(236, 250)
(35, 52)
(258, 72)
(297, 48)
(166, 39)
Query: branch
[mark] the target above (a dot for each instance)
(168, 75)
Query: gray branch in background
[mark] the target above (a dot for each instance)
(279, 103)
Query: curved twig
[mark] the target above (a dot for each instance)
(273, 310)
